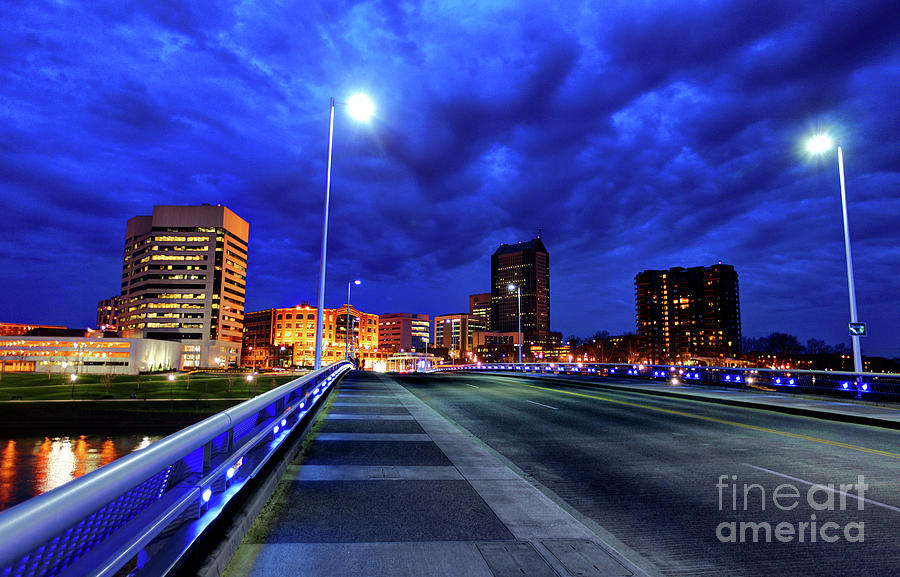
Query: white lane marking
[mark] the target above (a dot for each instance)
(541, 404)
(864, 499)
(473, 386)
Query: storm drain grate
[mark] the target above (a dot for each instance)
(514, 559)
(585, 558)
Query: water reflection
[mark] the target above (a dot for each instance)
(30, 466)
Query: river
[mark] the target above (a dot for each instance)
(31, 465)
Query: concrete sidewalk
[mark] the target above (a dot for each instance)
(849, 411)
(391, 488)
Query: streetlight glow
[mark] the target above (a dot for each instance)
(819, 144)
(360, 107)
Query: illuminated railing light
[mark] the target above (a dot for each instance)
(230, 472)
(276, 429)
(283, 422)
(207, 494)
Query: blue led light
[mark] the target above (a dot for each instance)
(737, 379)
(302, 404)
(207, 494)
(276, 429)
(792, 381)
(865, 386)
(845, 385)
(728, 377)
(778, 381)
(229, 473)
(283, 422)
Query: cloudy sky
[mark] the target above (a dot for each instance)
(636, 134)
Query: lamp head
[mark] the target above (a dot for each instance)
(360, 107)
(819, 143)
(511, 287)
(357, 282)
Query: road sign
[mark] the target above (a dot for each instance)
(858, 330)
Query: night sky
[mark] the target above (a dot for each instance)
(636, 134)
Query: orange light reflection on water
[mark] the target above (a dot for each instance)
(7, 473)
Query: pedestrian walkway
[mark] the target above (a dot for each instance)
(389, 487)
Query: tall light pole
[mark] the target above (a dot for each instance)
(817, 145)
(361, 108)
(518, 289)
(347, 345)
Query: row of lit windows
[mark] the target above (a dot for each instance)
(73, 344)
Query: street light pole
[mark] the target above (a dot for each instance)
(361, 108)
(817, 145)
(519, 300)
(857, 354)
(347, 345)
(321, 313)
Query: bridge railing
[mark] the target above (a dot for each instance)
(139, 514)
(872, 386)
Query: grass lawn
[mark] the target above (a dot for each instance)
(197, 386)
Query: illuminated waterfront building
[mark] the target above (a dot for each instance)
(184, 278)
(456, 333)
(685, 313)
(526, 265)
(87, 355)
(267, 331)
(403, 331)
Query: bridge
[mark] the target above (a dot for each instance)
(496, 470)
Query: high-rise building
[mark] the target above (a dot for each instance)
(184, 278)
(527, 265)
(274, 336)
(456, 333)
(480, 306)
(403, 332)
(688, 313)
(107, 313)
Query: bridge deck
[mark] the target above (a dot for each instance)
(390, 487)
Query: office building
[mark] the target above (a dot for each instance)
(456, 334)
(480, 306)
(688, 313)
(527, 265)
(108, 313)
(274, 336)
(403, 332)
(184, 279)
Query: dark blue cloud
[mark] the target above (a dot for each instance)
(637, 135)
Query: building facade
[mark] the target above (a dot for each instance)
(108, 313)
(480, 306)
(87, 355)
(272, 336)
(456, 334)
(685, 313)
(403, 332)
(526, 265)
(184, 279)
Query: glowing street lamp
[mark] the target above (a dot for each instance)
(820, 144)
(347, 345)
(360, 108)
(518, 289)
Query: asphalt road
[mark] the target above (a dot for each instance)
(667, 477)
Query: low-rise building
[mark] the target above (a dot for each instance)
(87, 355)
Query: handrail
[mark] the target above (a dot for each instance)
(42, 520)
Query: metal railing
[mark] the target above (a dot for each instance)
(870, 386)
(140, 514)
